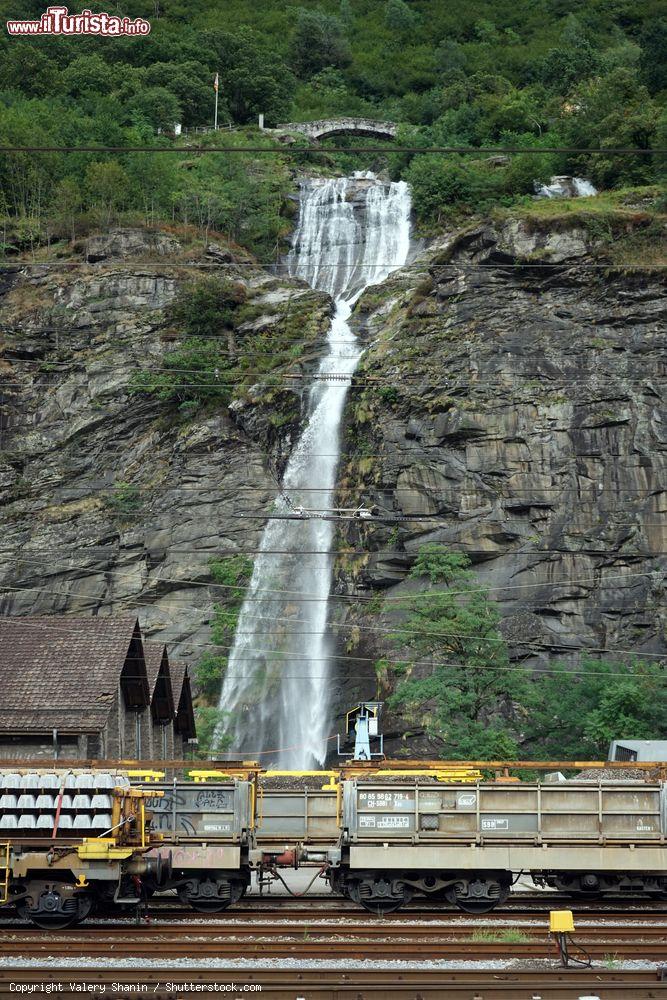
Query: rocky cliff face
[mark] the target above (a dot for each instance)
(110, 500)
(521, 407)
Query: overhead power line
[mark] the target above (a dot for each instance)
(417, 267)
(326, 150)
(236, 378)
(5, 620)
(303, 597)
(391, 631)
(46, 367)
(646, 493)
(341, 514)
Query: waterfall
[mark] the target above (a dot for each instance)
(351, 233)
(562, 186)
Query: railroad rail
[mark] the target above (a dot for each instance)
(410, 942)
(362, 984)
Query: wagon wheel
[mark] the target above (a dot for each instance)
(378, 907)
(476, 905)
(480, 895)
(53, 913)
(209, 905)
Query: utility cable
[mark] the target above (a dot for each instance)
(303, 597)
(399, 628)
(326, 150)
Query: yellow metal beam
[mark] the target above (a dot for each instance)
(103, 850)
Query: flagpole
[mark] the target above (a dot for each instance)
(215, 121)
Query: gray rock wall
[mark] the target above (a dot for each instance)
(522, 407)
(73, 337)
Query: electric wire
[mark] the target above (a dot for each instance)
(386, 630)
(358, 150)
(47, 367)
(303, 597)
(415, 267)
(5, 620)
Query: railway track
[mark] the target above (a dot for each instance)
(540, 904)
(355, 914)
(362, 984)
(322, 940)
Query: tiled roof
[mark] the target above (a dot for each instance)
(61, 672)
(177, 671)
(180, 684)
(161, 695)
(153, 653)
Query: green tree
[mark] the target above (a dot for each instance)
(318, 41)
(441, 185)
(612, 111)
(469, 700)
(653, 58)
(578, 711)
(253, 78)
(107, 187)
(232, 576)
(67, 199)
(451, 56)
(208, 720)
(398, 16)
(158, 106)
(192, 85)
(88, 74)
(28, 69)
(572, 62)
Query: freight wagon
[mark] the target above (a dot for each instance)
(215, 834)
(381, 843)
(207, 831)
(467, 843)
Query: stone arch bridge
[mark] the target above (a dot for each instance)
(341, 126)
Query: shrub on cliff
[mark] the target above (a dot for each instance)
(197, 371)
(201, 367)
(461, 687)
(460, 682)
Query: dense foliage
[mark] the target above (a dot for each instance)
(201, 367)
(218, 353)
(459, 685)
(231, 576)
(588, 74)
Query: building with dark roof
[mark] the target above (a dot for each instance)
(88, 688)
(184, 724)
(163, 713)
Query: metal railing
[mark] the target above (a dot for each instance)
(4, 884)
(197, 129)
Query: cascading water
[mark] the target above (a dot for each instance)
(277, 686)
(566, 187)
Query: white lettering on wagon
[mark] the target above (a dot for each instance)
(384, 822)
(386, 800)
(495, 824)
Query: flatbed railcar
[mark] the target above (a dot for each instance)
(69, 840)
